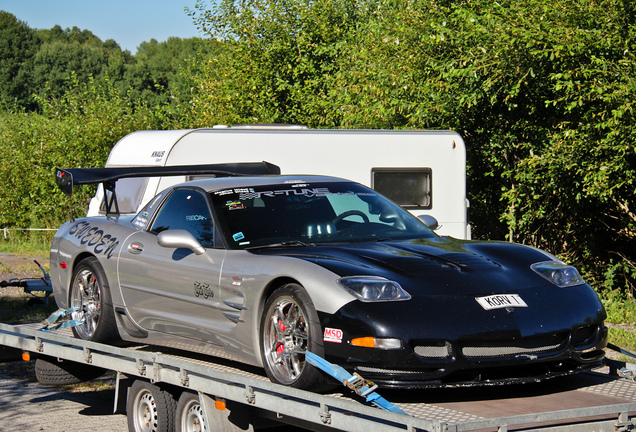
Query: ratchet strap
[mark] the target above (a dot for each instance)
(355, 382)
(60, 319)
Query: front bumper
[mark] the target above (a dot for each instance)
(438, 352)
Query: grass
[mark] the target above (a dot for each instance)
(20, 244)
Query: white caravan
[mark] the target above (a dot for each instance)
(423, 171)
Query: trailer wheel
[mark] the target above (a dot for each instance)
(190, 416)
(289, 327)
(90, 292)
(50, 371)
(149, 408)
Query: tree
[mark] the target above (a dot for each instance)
(541, 91)
(18, 46)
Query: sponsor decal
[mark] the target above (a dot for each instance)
(224, 192)
(194, 218)
(314, 192)
(95, 238)
(332, 335)
(158, 154)
(202, 289)
(234, 205)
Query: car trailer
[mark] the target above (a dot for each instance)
(220, 395)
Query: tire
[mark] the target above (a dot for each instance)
(50, 371)
(189, 415)
(149, 408)
(289, 327)
(90, 292)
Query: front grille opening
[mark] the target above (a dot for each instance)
(433, 351)
(388, 371)
(513, 348)
(584, 335)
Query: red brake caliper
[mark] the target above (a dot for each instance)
(280, 347)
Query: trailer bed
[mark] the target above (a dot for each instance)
(593, 401)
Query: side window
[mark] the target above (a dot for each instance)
(186, 209)
(411, 188)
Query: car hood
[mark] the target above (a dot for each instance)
(439, 266)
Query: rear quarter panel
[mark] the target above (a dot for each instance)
(100, 237)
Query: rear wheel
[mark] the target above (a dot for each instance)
(190, 417)
(149, 408)
(90, 293)
(290, 327)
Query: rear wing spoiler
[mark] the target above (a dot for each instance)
(67, 178)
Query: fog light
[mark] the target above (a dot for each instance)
(382, 343)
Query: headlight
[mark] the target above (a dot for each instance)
(560, 274)
(374, 288)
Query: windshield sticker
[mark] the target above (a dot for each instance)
(234, 205)
(224, 192)
(238, 236)
(141, 221)
(315, 192)
(195, 218)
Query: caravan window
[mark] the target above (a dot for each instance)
(130, 192)
(409, 187)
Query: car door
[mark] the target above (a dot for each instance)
(174, 290)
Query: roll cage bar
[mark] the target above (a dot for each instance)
(67, 178)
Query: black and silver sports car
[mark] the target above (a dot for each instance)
(260, 269)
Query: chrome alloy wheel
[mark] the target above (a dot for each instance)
(286, 339)
(86, 295)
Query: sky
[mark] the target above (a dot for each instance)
(128, 22)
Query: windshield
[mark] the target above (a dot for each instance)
(309, 214)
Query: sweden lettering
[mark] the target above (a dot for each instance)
(94, 237)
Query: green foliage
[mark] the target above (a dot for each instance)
(18, 46)
(542, 93)
(76, 130)
(155, 75)
(275, 61)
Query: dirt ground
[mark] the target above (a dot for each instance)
(20, 266)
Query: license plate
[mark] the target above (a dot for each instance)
(499, 301)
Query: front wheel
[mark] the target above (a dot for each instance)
(290, 327)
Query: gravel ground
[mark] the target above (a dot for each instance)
(31, 407)
(28, 406)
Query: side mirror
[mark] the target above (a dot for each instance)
(180, 239)
(429, 221)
